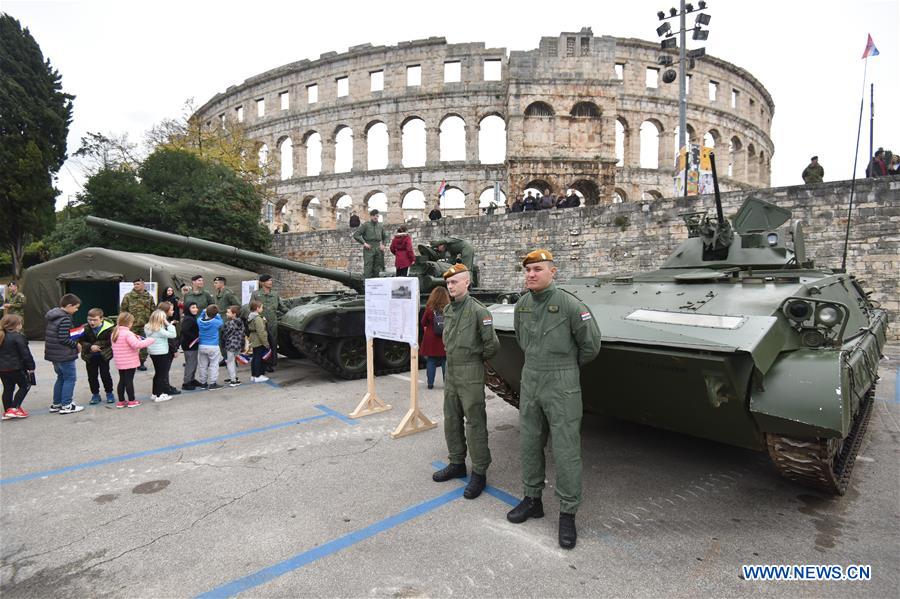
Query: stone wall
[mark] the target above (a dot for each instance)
(613, 238)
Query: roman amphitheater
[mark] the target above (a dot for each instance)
(383, 126)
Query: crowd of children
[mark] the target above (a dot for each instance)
(101, 342)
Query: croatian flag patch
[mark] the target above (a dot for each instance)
(585, 316)
(487, 321)
(76, 332)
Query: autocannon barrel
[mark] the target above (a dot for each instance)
(351, 280)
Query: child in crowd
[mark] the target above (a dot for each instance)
(16, 366)
(169, 309)
(432, 334)
(233, 339)
(190, 336)
(208, 356)
(259, 341)
(126, 347)
(160, 330)
(61, 348)
(96, 351)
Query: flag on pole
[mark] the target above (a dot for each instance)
(870, 50)
(443, 186)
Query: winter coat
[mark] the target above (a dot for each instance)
(258, 333)
(190, 332)
(354, 221)
(402, 248)
(59, 346)
(209, 329)
(432, 345)
(100, 338)
(530, 203)
(126, 349)
(233, 335)
(14, 353)
(160, 338)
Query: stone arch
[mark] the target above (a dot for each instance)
(650, 195)
(285, 157)
(623, 142)
(377, 144)
(539, 109)
(343, 149)
(486, 196)
(454, 199)
(379, 200)
(752, 165)
(650, 145)
(452, 138)
(341, 207)
(619, 196)
(689, 134)
(711, 138)
(313, 142)
(412, 137)
(492, 139)
(312, 211)
(588, 189)
(736, 158)
(538, 185)
(585, 109)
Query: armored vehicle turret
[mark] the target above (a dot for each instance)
(328, 327)
(737, 338)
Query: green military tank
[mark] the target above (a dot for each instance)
(736, 338)
(327, 327)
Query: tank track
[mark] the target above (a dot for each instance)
(320, 355)
(500, 387)
(824, 464)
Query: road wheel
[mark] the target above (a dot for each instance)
(349, 353)
(391, 355)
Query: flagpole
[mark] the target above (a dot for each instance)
(862, 103)
(871, 119)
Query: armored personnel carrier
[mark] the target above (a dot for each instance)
(737, 338)
(328, 327)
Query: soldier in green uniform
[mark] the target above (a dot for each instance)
(558, 335)
(223, 297)
(198, 295)
(469, 339)
(454, 247)
(273, 307)
(14, 302)
(814, 173)
(373, 238)
(139, 303)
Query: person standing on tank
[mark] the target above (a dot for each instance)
(373, 237)
(558, 335)
(469, 340)
(273, 308)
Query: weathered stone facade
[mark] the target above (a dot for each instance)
(561, 104)
(613, 238)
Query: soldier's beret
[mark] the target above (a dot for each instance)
(196, 277)
(219, 279)
(138, 280)
(264, 278)
(373, 212)
(814, 158)
(537, 256)
(455, 270)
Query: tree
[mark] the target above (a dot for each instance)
(34, 121)
(100, 152)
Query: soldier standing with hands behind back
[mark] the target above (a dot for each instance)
(469, 339)
(558, 334)
(139, 303)
(373, 238)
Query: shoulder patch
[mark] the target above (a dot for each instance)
(586, 315)
(488, 321)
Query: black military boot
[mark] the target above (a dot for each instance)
(448, 472)
(476, 485)
(529, 507)
(567, 533)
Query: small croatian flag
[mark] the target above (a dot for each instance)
(243, 359)
(443, 186)
(76, 333)
(194, 342)
(870, 50)
(268, 355)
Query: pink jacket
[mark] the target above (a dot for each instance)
(126, 349)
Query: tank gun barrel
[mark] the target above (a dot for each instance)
(719, 214)
(351, 280)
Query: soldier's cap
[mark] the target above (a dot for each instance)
(373, 212)
(196, 278)
(219, 279)
(455, 270)
(138, 280)
(264, 278)
(537, 256)
(814, 158)
(16, 283)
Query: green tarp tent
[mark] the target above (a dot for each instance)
(94, 274)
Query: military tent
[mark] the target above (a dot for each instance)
(94, 274)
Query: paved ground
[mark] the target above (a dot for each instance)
(269, 491)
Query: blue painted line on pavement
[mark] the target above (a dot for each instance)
(307, 557)
(167, 449)
(493, 491)
(338, 415)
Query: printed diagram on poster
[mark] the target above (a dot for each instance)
(151, 288)
(392, 309)
(247, 289)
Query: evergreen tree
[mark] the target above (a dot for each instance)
(34, 121)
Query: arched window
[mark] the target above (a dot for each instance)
(487, 196)
(343, 206)
(453, 199)
(378, 201)
(413, 205)
(619, 196)
(649, 145)
(453, 139)
(492, 140)
(620, 143)
(539, 109)
(314, 213)
(343, 150)
(711, 138)
(377, 146)
(313, 154)
(586, 109)
(286, 152)
(412, 137)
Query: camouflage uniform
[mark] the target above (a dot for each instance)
(373, 258)
(17, 301)
(141, 306)
(458, 247)
(558, 334)
(814, 173)
(469, 339)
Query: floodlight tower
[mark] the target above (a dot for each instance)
(686, 58)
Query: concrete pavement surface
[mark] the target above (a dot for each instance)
(268, 490)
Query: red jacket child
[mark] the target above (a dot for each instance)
(402, 248)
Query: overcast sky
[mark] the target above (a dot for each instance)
(132, 63)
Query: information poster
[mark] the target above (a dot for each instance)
(247, 289)
(699, 171)
(392, 309)
(150, 287)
